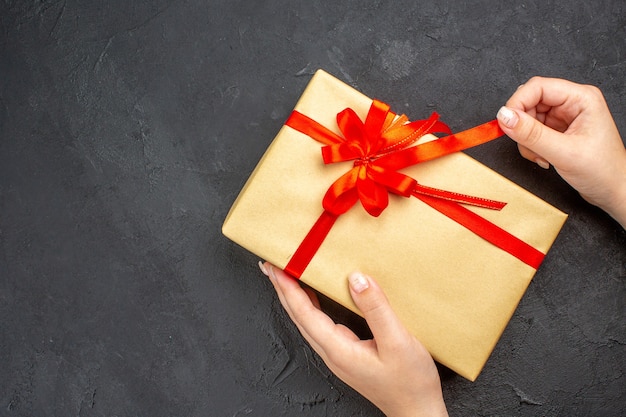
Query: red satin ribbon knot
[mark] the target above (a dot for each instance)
(381, 146)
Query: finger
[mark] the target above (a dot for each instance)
(533, 157)
(531, 134)
(313, 297)
(347, 333)
(266, 268)
(547, 92)
(290, 293)
(385, 325)
(555, 102)
(315, 325)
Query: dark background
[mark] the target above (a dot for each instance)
(127, 128)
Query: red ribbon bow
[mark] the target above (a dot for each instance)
(379, 147)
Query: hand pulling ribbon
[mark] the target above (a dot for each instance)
(379, 147)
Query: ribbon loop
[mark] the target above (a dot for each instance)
(382, 134)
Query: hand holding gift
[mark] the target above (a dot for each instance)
(570, 126)
(394, 370)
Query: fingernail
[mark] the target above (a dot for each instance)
(263, 269)
(542, 163)
(358, 282)
(508, 117)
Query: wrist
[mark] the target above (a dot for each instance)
(435, 408)
(618, 210)
(617, 206)
(439, 412)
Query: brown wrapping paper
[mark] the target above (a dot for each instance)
(453, 290)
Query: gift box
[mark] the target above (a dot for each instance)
(454, 289)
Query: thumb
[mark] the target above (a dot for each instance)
(381, 319)
(531, 134)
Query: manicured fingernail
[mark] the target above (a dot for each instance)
(263, 269)
(542, 163)
(358, 282)
(508, 117)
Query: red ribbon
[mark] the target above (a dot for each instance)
(379, 147)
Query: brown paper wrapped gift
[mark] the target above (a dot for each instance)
(452, 289)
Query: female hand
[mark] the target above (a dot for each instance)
(393, 370)
(570, 126)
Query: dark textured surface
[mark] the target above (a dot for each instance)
(127, 130)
